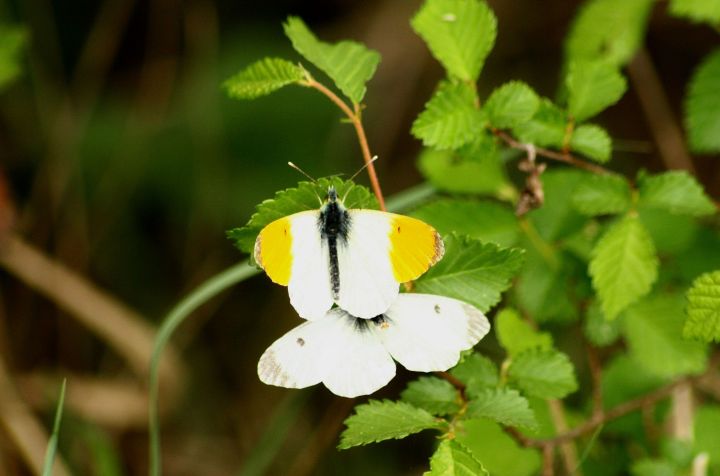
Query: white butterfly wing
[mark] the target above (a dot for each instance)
(426, 333)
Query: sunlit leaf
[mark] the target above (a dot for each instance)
(703, 308)
(263, 77)
(702, 106)
(592, 86)
(433, 394)
(543, 373)
(511, 104)
(516, 335)
(707, 11)
(12, 41)
(592, 141)
(453, 459)
(547, 128)
(502, 405)
(677, 192)
(602, 195)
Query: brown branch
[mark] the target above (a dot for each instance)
(548, 460)
(567, 448)
(356, 120)
(596, 375)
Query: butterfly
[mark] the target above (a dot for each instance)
(354, 356)
(356, 258)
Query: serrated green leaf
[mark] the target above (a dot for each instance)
(707, 432)
(592, 141)
(433, 394)
(557, 218)
(598, 330)
(12, 41)
(384, 420)
(292, 200)
(546, 128)
(592, 86)
(452, 171)
(703, 308)
(263, 77)
(349, 64)
(477, 372)
(450, 119)
(653, 331)
(485, 220)
(499, 453)
(675, 191)
(543, 289)
(623, 266)
(608, 29)
(453, 459)
(707, 11)
(511, 104)
(472, 271)
(459, 33)
(602, 195)
(543, 373)
(702, 106)
(504, 406)
(516, 335)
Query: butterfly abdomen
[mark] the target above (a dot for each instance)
(334, 223)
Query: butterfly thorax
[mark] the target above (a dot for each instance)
(334, 224)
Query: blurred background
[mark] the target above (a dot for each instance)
(123, 163)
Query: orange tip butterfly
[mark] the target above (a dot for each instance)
(354, 357)
(353, 257)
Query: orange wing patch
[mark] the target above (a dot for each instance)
(273, 250)
(414, 247)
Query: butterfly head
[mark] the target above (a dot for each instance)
(332, 194)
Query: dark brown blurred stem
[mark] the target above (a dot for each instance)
(655, 105)
(355, 118)
(548, 460)
(596, 375)
(567, 448)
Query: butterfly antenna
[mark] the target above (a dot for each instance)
(308, 176)
(356, 174)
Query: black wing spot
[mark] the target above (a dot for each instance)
(300, 341)
(437, 308)
(398, 229)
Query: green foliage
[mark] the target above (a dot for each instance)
(485, 220)
(477, 372)
(624, 266)
(497, 451)
(543, 373)
(592, 141)
(12, 42)
(263, 77)
(557, 218)
(459, 33)
(602, 195)
(452, 459)
(707, 433)
(702, 106)
(306, 196)
(608, 29)
(707, 11)
(598, 330)
(384, 420)
(472, 271)
(349, 64)
(592, 86)
(502, 405)
(653, 331)
(511, 104)
(53, 441)
(675, 191)
(703, 308)
(653, 467)
(458, 172)
(547, 128)
(516, 335)
(450, 118)
(433, 394)
(544, 287)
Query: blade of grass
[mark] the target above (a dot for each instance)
(52, 442)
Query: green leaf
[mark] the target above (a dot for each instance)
(511, 104)
(485, 220)
(592, 141)
(653, 331)
(384, 420)
(707, 432)
(544, 289)
(472, 271)
(263, 77)
(349, 64)
(453, 459)
(433, 394)
(543, 373)
(477, 372)
(516, 335)
(12, 42)
(608, 29)
(598, 330)
(292, 200)
(707, 11)
(454, 172)
(459, 33)
(450, 119)
(499, 453)
(546, 128)
(623, 266)
(504, 406)
(703, 308)
(702, 106)
(677, 192)
(592, 86)
(557, 218)
(602, 195)
(654, 467)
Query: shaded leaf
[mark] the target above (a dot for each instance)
(557, 218)
(477, 372)
(516, 335)
(454, 172)
(598, 330)
(602, 195)
(12, 42)
(702, 106)
(433, 394)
